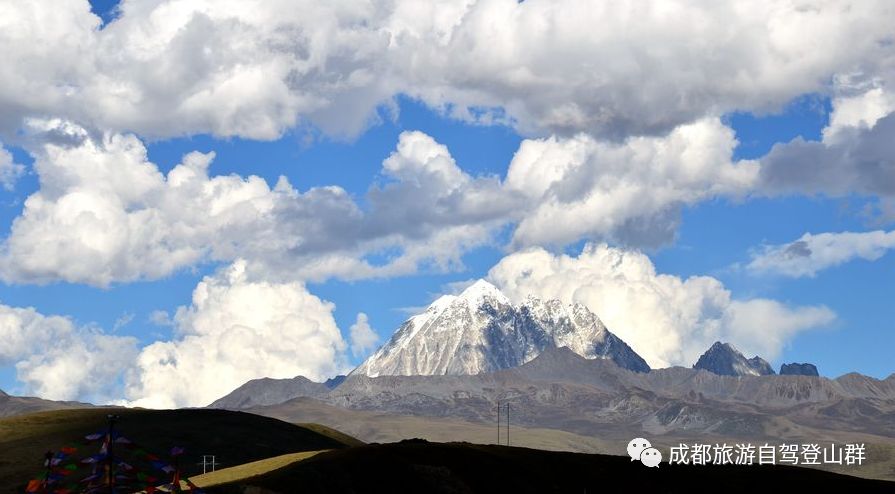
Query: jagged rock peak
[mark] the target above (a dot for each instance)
(797, 369)
(724, 359)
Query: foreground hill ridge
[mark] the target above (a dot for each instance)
(481, 330)
(234, 437)
(319, 459)
(417, 465)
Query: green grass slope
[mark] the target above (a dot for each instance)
(334, 434)
(235, 438)
(248, 471)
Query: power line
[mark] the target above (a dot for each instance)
(499, 410)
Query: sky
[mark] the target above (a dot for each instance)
(194, 194)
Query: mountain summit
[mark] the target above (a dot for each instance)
(797, 369)
(724, 359)
(480, 330)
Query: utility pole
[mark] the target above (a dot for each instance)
(48, 463)
(508, 423)
(110, 463)
(498, 422)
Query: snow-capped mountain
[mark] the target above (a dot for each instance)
(724, 359)
(480, 330)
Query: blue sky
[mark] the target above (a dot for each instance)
(713, 237)
(838, 310)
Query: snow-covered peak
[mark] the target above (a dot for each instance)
(480, 330)
(480, 291)
(443, 302)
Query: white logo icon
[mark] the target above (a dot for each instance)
(651, 457)
(641, 449)
(636, 446)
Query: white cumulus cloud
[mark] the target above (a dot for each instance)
(237, 329)
(666, 319)
(363, 337)
(255, 68)
(812, 253)
(104, 213)
(630, 191)
(56, 359)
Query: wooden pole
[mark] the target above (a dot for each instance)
(48, 463)
(111, 461)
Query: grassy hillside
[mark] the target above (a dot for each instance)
(234, 437)
(249, 471)
(333, 433)
(418, 466)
